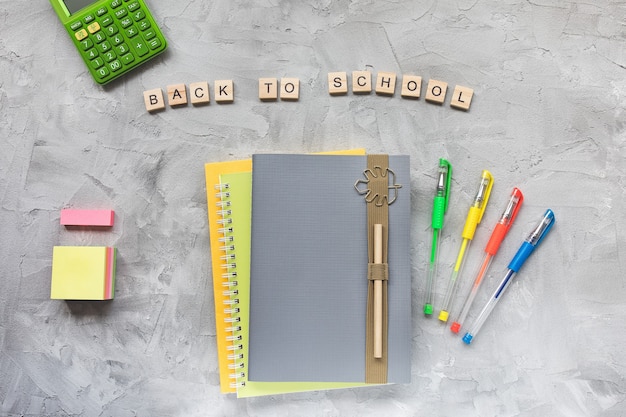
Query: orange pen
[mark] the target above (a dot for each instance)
(497, 236)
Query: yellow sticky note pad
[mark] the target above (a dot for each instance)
(83, 273)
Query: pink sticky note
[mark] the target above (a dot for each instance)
(75, 217)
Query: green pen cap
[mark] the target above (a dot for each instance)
(441, 200)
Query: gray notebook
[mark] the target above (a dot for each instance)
(309, 256)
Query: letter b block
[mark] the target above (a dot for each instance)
(153, 99)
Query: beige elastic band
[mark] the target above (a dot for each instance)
(377, 213)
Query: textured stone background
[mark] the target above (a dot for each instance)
(548, 116)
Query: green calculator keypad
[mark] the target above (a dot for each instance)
(114, 36)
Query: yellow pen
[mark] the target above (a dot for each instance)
(474, 216)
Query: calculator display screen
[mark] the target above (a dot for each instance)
(75, 5)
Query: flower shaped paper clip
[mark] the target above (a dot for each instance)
(376, 198)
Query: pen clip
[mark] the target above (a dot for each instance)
(443, 184)
(542, 229)
(484, 191)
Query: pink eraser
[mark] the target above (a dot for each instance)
(74, 217)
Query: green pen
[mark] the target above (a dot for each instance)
(440, 207)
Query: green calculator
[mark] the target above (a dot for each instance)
(112, 36)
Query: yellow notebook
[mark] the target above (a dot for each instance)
(229, 200)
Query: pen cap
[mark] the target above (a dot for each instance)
(440, 203)
(477, 210)
(505, 222)
(445, 171)
(532, 241)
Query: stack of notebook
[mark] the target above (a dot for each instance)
(289, 247)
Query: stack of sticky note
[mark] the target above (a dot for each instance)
(84, 272)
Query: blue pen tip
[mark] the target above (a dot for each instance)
(468, 338)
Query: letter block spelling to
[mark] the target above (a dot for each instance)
(289, 89)
(411, 86)
(361, 82)
(153, 99)
(462, 97)
(224, 91)
(177, 94)
(268, 89)
(199, 92)
(337, 83)
(436, 92)
(386, 83)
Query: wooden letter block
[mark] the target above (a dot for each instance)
(361, 82)
(436, 91)
(386, 83)
(153, 99)
(411, 86)
(199, 92)
(337, 83)
(224, 91)
(177, 94)
(289, 88)
(268, 89)
(462, 97)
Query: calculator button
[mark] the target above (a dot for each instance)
(126, 22)
(128, 58)
(92, 53)
(133, 6)
(154, 43)
(115, 3)
(109, 56)
(121, 49)
(97, 63)
(138, 15)
(139, 47)
(149, 34)
(81, 34)
(99, 37)
(76, 25)
(120, 13)
(101, 11)
(89, 18)
(144, 24)
(115, 65)
(131, 31)
(103, 72)
(111, 30)
(106, 20)
(86, 44)
(117, 39)
(94, 27)
(104, 46)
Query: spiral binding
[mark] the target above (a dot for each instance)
(230, 292)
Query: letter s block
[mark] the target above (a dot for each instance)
(337, 83)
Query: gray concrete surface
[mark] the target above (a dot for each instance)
(548, 116)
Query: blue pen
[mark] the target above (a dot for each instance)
(516, 263)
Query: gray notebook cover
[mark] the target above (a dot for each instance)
(308, 284)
